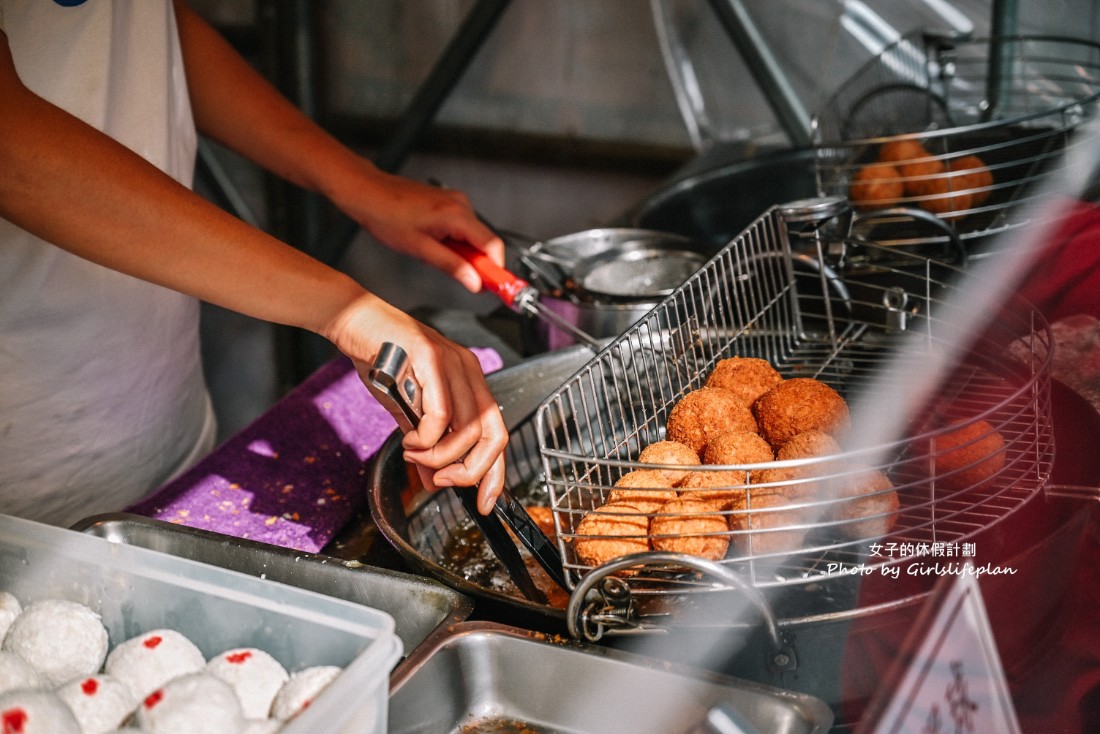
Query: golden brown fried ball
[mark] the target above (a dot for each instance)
(690, 526)
(969, 455)
(748, 377)
(798, 405)
(876, 186)
(867, 502)
(643, 485)
(790, 482)
(716, 488)
(900, 151)
(610, 531)
(808, 444)
(763, 525)
(972, 176)
(544, 518)
(945, 197)
(671, 453)
(737, 447)
(703, 414)
(919, 176)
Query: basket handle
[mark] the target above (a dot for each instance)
(611, 608)
(961, 254)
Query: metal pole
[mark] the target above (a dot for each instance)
(765, 69)
(446, 73)
(1004, 25)
(431, 95)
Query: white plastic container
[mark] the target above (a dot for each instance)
(135, 590)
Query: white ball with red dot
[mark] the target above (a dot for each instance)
(146, 662)
(300, 690)
(36, 712)
(197, 703)
(253, 674)
(100, 702)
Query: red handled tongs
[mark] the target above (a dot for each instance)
(392, 384)
(517, 293)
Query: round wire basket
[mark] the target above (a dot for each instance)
(963, 129)
(834, 311)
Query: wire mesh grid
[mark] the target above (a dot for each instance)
(989, 118)
(975, 455)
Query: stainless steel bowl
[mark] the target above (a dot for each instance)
(603, 280)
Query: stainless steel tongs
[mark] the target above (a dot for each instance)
(392, 384)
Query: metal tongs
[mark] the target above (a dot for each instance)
(392, 384)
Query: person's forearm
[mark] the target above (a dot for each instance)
(73, 186)
(234, 105)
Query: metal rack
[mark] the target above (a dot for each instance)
(1011, 101)
(821, 304)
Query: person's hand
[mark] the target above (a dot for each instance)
(461, 436)
(416, 218)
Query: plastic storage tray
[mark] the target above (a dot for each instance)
(135, 589)
(420, 607)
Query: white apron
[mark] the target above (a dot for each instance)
(102, 397)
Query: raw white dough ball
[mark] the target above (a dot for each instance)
(146, 662)
(16, 673)
(10, 608)
(197, 703)
(100, 703)
(300, 690)
(61, 639)
(253, 674)
(262, 726)
(36, 712)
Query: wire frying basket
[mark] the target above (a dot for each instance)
(990, 118)
(817, 304)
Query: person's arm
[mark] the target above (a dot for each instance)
(131, 217)
(236, 106)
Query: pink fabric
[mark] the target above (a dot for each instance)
(295, 476)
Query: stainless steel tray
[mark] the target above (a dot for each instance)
(486, 677)
(420, 607)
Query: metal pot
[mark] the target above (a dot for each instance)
(715, 204)
(604, 280)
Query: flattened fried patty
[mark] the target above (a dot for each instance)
(690, 526)
(643, 485)
(610, 531)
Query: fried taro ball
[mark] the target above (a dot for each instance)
(798, 405)
(748, 377)
(706, 413)
(721, 487)
(867, 503)
(671, 453)
(763, 526)
(737, 447)
(876, 186)
(690, 526)
(968, 456)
